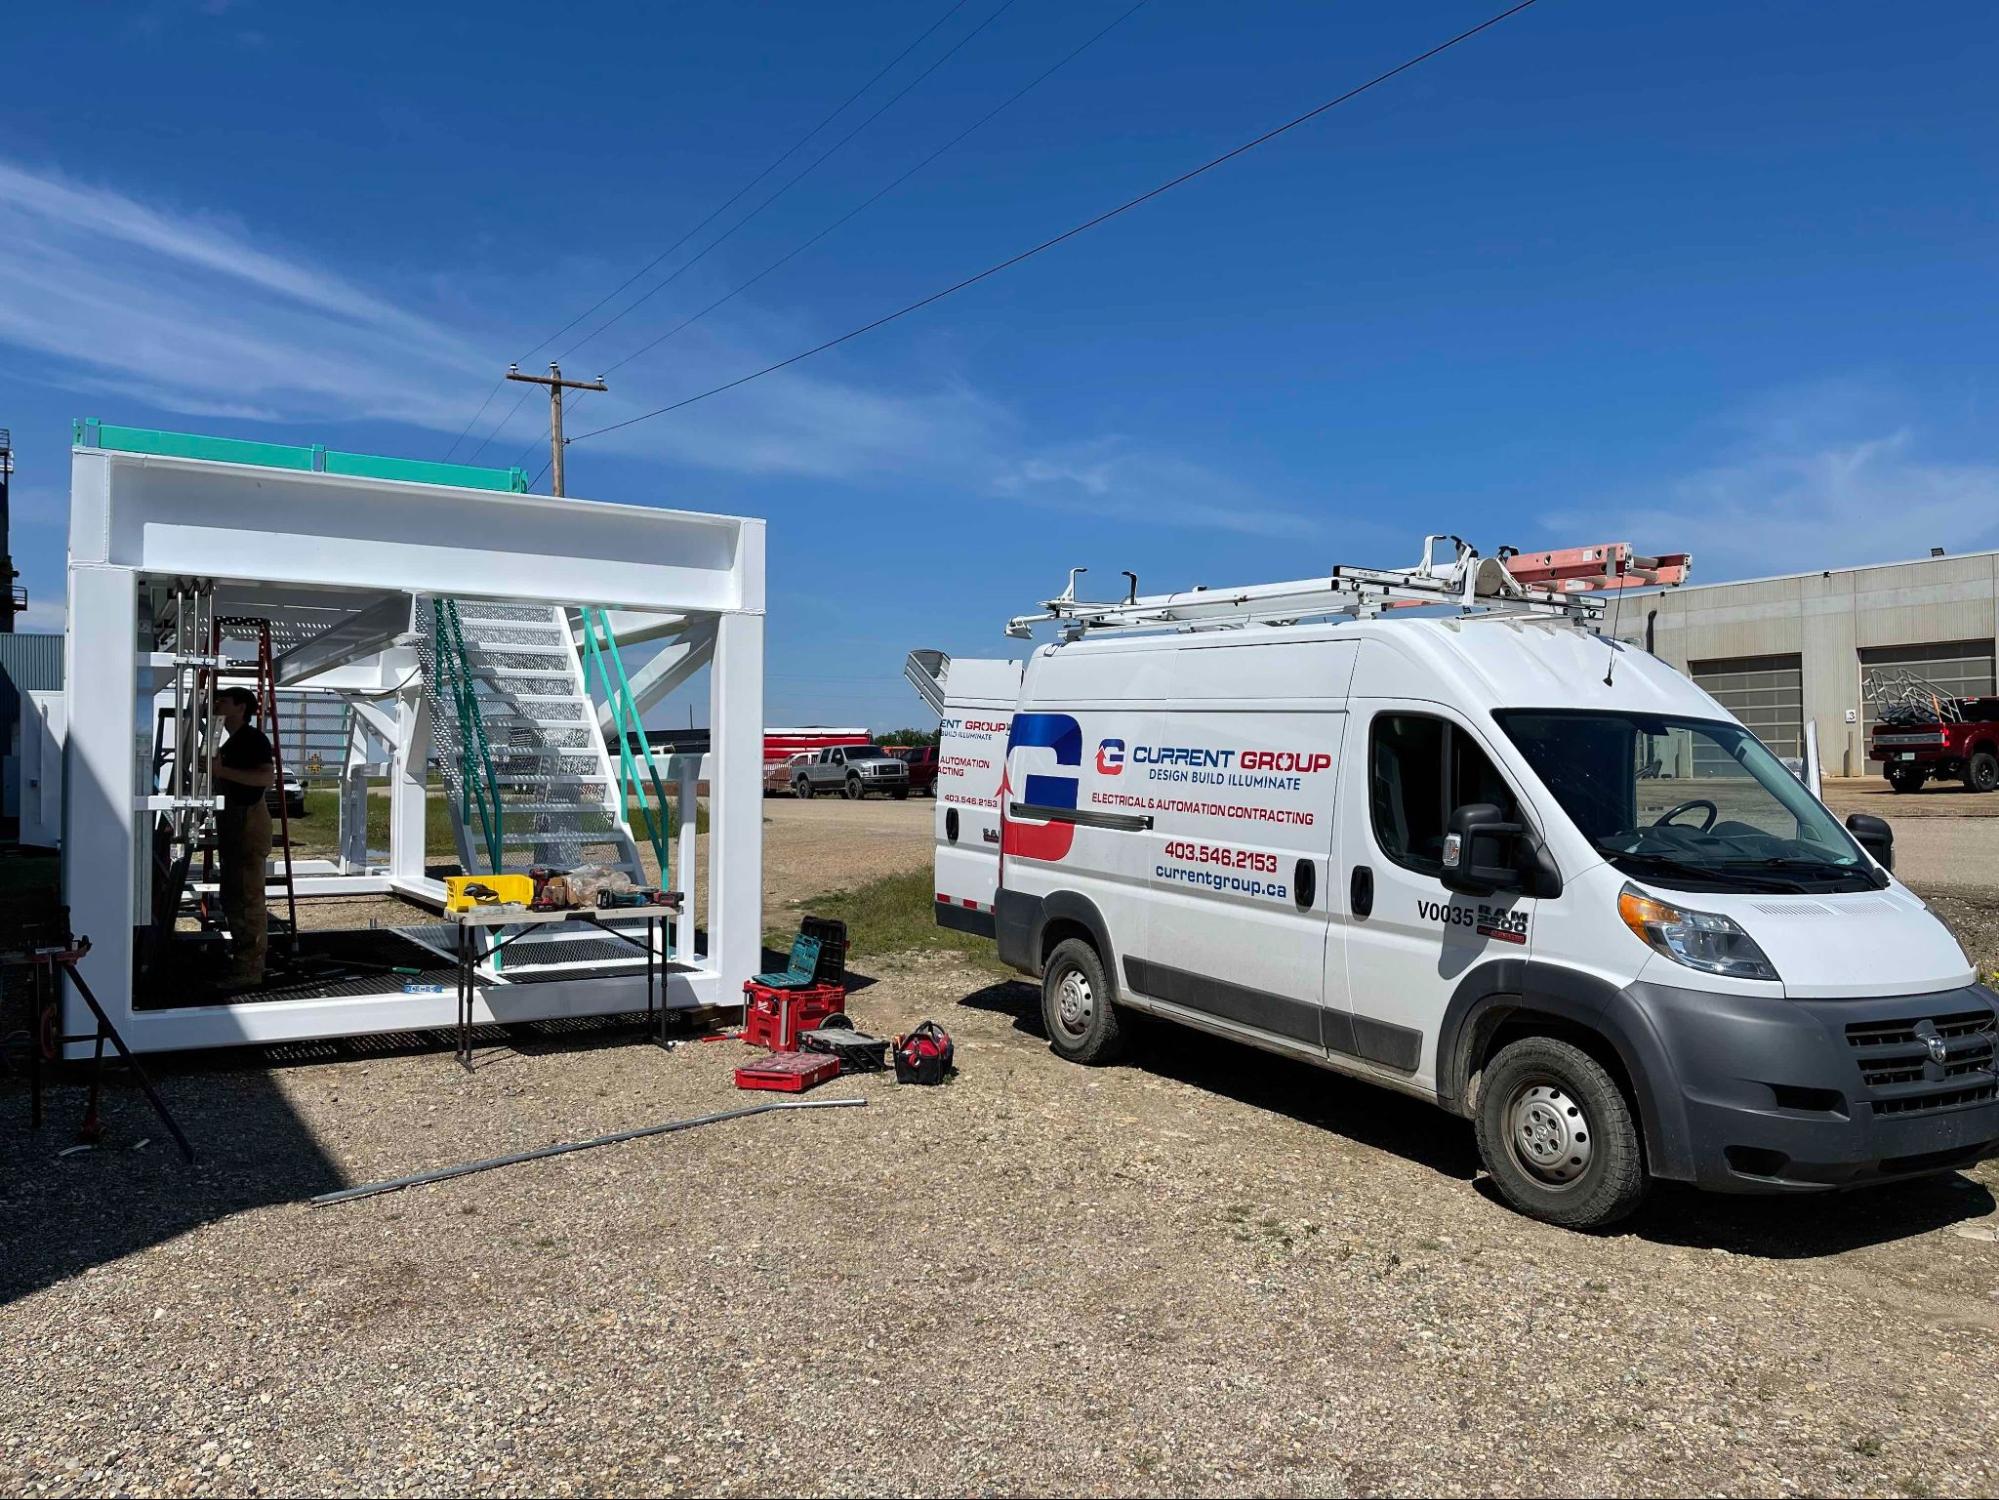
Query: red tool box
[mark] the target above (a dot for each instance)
(776, 1018)
(788, 1072)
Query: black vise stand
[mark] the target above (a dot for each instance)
(51, 963)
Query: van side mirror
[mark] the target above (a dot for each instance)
(1875, 836)
(1482, 851)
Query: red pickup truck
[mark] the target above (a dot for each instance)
(1959, 742)
(922, 767)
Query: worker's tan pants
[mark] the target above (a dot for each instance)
(243, 836)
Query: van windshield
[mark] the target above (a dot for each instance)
(1696, 804)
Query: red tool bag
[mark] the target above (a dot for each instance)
(924, 1056)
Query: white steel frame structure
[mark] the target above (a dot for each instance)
(287, 542)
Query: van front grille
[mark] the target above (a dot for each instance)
(1903, 1074)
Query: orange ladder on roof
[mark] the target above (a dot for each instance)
(1588, 570)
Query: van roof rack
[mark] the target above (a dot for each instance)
(1560, 583)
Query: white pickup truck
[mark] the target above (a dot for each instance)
(853, 771)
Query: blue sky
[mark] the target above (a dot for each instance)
(1715, 277)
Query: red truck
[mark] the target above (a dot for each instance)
(1957, 740)
(922, 761)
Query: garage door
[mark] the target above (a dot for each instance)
(1765, 692)
(1958, 669)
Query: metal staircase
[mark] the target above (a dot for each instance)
(515, 735)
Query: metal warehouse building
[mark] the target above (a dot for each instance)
(1776, 651)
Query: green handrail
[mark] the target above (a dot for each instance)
(625, 722)
(478, 783)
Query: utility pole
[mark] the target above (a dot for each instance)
(12, 598)
(556, 386)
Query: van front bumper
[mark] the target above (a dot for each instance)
(1782, 1095)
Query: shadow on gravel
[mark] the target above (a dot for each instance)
(1774, 1228)
(1807, 1227)
(62, 1215)
(1343, 1106)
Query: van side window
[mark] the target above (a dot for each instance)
(1420, 771)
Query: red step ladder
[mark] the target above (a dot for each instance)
(267, 712)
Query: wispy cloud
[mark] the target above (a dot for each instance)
(187, 312)
(1116, 479)
(1816, 477)
(196, 313)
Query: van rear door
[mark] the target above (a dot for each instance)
(979, 701)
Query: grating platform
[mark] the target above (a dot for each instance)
(572, 951)
(329, 965)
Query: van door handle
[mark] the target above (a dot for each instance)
(1362, 891)
(1305, 884)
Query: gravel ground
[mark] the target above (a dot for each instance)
(1202, 1271)
(1938, 799)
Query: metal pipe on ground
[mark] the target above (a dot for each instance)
(563, 1148)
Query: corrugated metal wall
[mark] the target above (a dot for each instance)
(31, 663)
(28, 664)
(1765, 692)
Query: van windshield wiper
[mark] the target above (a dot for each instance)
(1813, 869)
(1711, 875)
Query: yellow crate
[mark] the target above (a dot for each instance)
(510, 887)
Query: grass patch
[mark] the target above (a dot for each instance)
(895, 914)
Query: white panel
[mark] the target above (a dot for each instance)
(1214, 669)
(233, 521)
(362, 1015)
(735, 808)
(101, 779)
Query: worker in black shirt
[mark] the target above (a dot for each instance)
(243, 774)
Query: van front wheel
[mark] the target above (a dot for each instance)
(1076, 1005)
(1558, 1136)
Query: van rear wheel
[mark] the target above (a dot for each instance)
(1076, 1007)
(1558, 1137)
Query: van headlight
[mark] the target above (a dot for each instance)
(1703, 940)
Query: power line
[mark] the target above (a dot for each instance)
(895, 99)
(1071, 233)
(475, 418)
(722, 208)
(867, 203)
(499, 427)
(718, 211)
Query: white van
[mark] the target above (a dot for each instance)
(1491, 859)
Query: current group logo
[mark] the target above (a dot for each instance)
(1110, 758)
(1060, 738)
